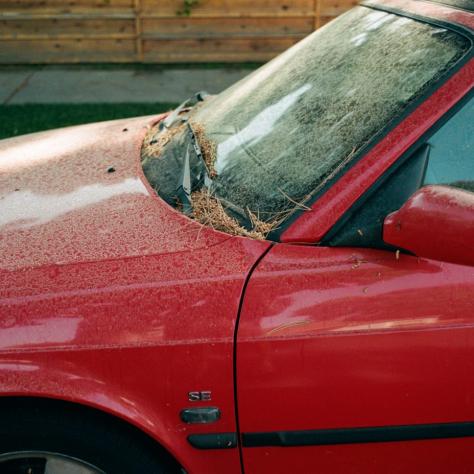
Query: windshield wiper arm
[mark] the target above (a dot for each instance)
(186, 181)
(173, 116)
(183, 191)
(198, 151)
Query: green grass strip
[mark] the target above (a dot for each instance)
(21, 119)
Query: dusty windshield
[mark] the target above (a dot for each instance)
(271, 140)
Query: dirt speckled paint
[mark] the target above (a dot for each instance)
(108, 296)
(78, 194)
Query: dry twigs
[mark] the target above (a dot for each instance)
(209, 211)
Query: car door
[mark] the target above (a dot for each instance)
(354, 357)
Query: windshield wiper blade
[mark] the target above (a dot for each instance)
(192, 179)
(183, 191)
(198, 152)
(173, 116)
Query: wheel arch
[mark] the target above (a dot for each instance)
(94, 414)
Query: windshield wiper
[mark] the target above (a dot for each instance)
(197, 150)
(190, 102)
(183, 191)
(187, 183)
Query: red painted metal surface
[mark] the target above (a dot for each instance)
(314, 224)
(428, 9)
(108, 296)
(436, 222)
(78, 194)
(427, 457)
(345, 338)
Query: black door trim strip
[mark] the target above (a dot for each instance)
(213, 440)
(385, 434)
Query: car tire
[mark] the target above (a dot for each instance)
(48, 437)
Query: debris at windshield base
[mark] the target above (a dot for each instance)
(206, 209)
(209, 211)
(208, 148)
(155, 140)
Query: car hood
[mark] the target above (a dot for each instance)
(78, 194)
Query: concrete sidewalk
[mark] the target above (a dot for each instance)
(57, 85)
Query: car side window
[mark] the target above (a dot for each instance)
(445, 158)
(362, 225)
(451, 157)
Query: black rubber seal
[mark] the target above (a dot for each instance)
(213, 441)
(467, 33)
(385, 434)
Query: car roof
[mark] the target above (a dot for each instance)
(457, 13)
(467, 5)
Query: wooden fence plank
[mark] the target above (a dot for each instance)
(86, 15)
(230, 8)
(225, 27)
(75, 28)
(324, 20)
(59, 31)
(199, 50)
(333, 8)
(71, 51)
(63, 5)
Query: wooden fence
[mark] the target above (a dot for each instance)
(156, 31)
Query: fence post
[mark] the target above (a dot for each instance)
(138, 31)
(317, 14)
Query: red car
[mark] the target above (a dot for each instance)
(276, 279)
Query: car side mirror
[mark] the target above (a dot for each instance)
(437, 222)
